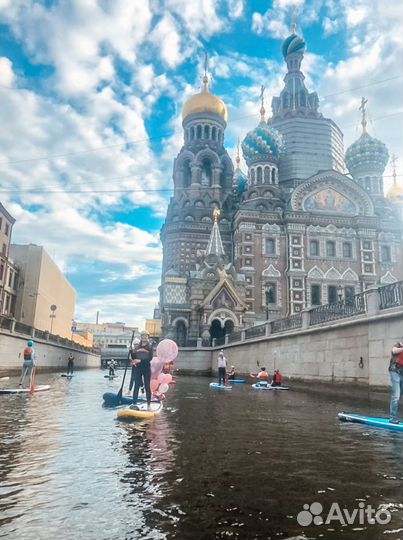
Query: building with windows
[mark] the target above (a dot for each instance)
(8, 271)
(306, 224)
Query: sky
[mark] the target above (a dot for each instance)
(91, 93)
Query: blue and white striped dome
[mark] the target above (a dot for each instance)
(293, 44)
(365, 155)
(263, 143)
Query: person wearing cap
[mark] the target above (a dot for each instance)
(141, 356)
(277, 378)
(396, 379)
(231, 374)
(28, 364)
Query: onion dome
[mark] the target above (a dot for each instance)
(293, 44)
(263, 143)
(205, 102)
(366, 155)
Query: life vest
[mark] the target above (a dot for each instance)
(263, 375)
(28, 353)
(399, 360)
(277, 378)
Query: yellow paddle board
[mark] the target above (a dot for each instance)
(140, 411)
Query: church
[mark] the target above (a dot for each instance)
(307, 224)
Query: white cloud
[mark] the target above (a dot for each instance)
(7, 77)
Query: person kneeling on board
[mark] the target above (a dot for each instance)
(29, 363)
(263, 377)
(112, 365)
(141, 357)
(396, 379)
(222, 368)
(277, 378)
(231, 374)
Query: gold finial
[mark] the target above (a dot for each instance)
(262, 109)
(294, 19)
(363, 110)
(393, 162)
(237, 159)
(216, 214)
(205, 76)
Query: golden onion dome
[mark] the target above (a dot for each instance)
(395, 194)
(205, 102)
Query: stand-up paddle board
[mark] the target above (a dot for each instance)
(140, 410)
(40, 388)
(382, 423)
(220, 386)
(67, 375)
(111, 376)
(236, 381)
(258, 386)
(112, 399)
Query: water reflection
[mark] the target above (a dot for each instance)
(212, 465)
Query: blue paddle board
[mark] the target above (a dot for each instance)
(220, 386)
(382, 423)
(236, 381)
(258, 386)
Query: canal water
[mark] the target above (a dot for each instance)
(239, 464)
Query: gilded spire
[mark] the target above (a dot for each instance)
(294, 20)
(237, 159)
(215, 245)
(262, 109)
(216, 214)
(363, 110)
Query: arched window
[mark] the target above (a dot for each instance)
(192, 133)
(267, 175)
(259, 175)
(187, 174)
(206, 132)
(199, 132)
(273, 176)
(181, 333)
(214, 133)
(368, 183)
(206, 173)
(252, 175)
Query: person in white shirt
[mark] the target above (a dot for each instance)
(222, 368)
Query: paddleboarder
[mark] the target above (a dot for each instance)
(141, 356)
(29, 363)
(396, 379)
(277, 378)
(222, 367)
(70, 364)
(263, 377)
(112, 365)
(232, 374)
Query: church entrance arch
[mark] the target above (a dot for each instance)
(222, 322)
(216, 330)
(180, 332)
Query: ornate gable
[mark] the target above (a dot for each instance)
(331, 192)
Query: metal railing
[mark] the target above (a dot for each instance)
(288, 323)
(22, 328)
(220, 340)
(391, 295)
(356, 305)
(234, 337)
(255, 331)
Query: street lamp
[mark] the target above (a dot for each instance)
(52, 316)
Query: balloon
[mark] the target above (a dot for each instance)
(163, 388)
(168, 378)
(156, 367)
(161, 378)
(167, 350)
(154, 384)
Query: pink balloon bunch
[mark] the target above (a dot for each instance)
(167, 351)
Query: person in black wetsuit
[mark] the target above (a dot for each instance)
(141, 356)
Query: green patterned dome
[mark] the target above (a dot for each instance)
(366, 155)
(263, 143)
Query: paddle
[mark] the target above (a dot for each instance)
(119, 396)
(32, 387)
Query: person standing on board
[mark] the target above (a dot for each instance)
(29, 363)
(141, 356)
(70, 364)
(222, 367)
(277, 378)
(112, 365)
(396, 379)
